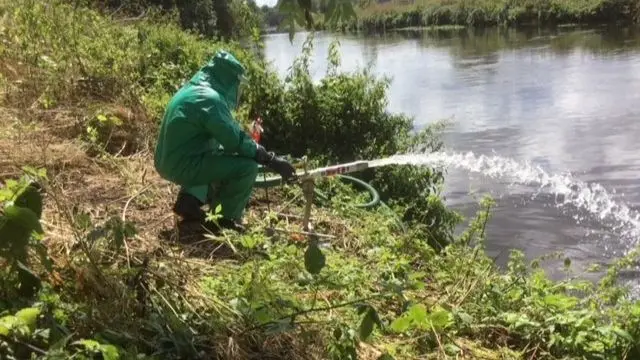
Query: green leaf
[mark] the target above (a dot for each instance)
(88, 344)
(34, 172)
(440, 319)
(415, 315)
(339, 11)
(5, 194)
(29, 316)
(418, 313)
(401, 324)
(306, 7)
(11, 184)
(331, 9)
(262, 316)
(82, 220)
(117, 232)
(8, 323)
(30, 198)
(594, 268)
(61, 343)
(109, 352)
(23, 216)
(510, 317)
(314, 259)
(348, 11)
(622, 333)
(560, 301)
(366, 326)
(129, 229)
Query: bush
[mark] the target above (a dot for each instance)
(342, 118)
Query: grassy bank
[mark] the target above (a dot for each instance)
(102, 275)
(483, 13)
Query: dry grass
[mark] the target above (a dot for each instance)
(103, 182)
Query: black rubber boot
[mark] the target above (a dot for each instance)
(192, 225)
(231, 225)
(189, 208)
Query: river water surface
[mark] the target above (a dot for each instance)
(566, 100)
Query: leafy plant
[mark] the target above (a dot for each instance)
(20, 230)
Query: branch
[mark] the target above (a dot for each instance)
(308, 311)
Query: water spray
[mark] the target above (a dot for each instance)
(591, 198)
(570, 193)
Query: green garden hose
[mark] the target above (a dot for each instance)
(275, 180)
(375, 198)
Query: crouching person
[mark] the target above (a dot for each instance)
(204, 150)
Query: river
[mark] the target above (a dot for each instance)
(567, 100)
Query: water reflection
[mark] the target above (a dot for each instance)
(562, 41)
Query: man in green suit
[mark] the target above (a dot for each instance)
(205, 151)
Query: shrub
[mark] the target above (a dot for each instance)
(342, 118)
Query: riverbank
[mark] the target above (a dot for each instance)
(107, 275)
(486, 13)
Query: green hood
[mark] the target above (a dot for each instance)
(197, 120)
(222, 73)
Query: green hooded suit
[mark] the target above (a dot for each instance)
(201, 147)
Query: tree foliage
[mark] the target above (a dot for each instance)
(304, 13)
(226, 19)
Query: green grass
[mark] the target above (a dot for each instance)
(83, 95)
